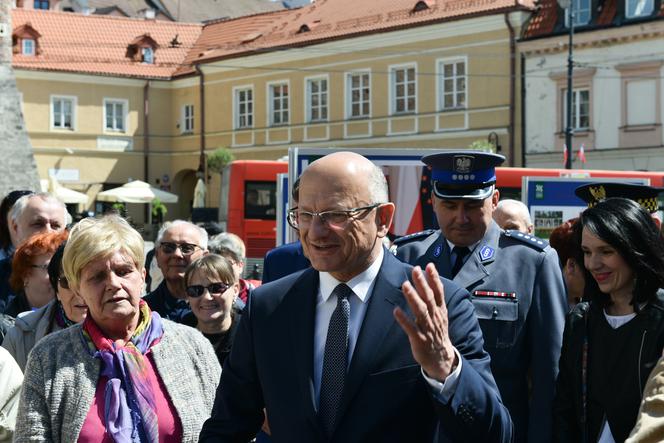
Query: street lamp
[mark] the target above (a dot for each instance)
(568, 5)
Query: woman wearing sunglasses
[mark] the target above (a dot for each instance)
(211, 290)
(68, 308)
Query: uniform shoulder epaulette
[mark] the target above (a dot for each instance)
(416, 236)
(528, 239)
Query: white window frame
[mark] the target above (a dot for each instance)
(149, 59)
(187, 115)
(440, 84)
(349, 94)
(248, 114)
(270, 102)
(74, 102)
(125, 114)
(576, 117)
(580, 7)
(28, 46)
(308, 99)
(393, 89)
(643, 13)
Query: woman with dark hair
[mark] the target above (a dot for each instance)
(563, 241)
(612, 341)
(68, 308)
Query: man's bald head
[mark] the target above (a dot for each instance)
(513, 214)
(343, 214)
(353, 170)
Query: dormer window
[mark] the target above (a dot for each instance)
(42, 4)
(638, 8)
(148, 55)
(423, 5)
(25, 40)
(28, 46)
(582, 12)
(142, 49)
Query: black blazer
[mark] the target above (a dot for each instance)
(385, 399)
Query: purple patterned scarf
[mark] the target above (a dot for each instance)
(130, 413)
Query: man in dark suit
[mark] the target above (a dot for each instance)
(284, 260)
(360, 347)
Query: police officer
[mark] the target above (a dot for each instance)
(514, 280)
(646, 196)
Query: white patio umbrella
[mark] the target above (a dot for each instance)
(136, 192)
(63, 194)
(199, 194)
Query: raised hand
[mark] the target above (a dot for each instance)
(428, 331)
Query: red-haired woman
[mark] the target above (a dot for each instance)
(29, 277)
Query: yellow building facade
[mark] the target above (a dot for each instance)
(443, 85)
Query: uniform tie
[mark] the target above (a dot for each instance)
(335, 360)
(461, 253)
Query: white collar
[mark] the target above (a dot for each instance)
(360, 284)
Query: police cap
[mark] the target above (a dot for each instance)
(644, 195)
(463, 174)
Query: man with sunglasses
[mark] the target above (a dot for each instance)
(514, 280)
(178, 243)
(360, 347)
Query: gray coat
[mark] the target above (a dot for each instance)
(61, 380)
(522, 324)
(30, 327)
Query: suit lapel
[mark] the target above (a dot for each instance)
(475, 269)
(302, 302)
(378, 320)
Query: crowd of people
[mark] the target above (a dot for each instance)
(476, 331)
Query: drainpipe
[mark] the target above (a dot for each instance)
(201, 91)
(523, 111)
(146, 140)
(510, 28)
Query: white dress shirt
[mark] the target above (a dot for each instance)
(362, 286)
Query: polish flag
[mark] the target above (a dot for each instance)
(564, 155)
(581, 155)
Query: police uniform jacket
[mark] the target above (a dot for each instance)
(519, 297)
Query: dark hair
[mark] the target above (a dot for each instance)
(55, 266)
(632, 232)
(5, 207)
(562, 239)
(295, 193)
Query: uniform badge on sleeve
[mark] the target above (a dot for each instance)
(438, 250)
(486, 253)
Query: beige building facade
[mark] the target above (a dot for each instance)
(435, 83)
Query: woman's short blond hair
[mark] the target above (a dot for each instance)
(94, 238)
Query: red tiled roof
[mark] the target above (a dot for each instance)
(336, 19)
(98, 44)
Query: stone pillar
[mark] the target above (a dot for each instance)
(18, 169)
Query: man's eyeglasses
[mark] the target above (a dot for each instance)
(214, 288)
(185, 248)
(298, 218)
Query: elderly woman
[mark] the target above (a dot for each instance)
(211, 291)
(29, 278)
(612, 342)
(67, 309)
(124, 374)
